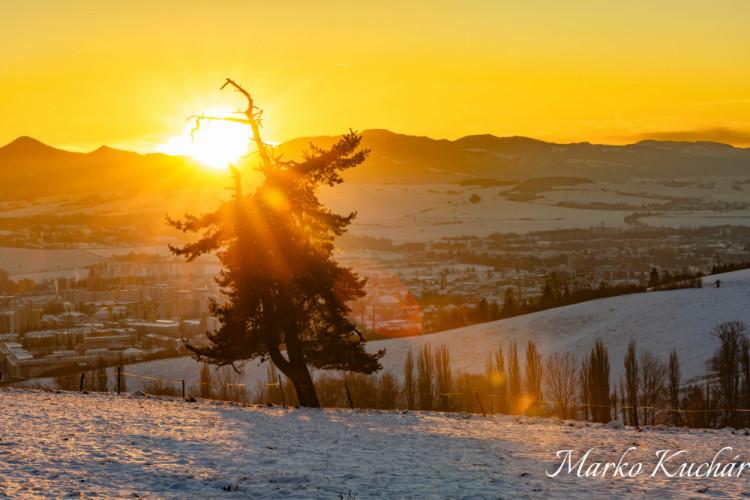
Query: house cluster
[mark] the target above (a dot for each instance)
(42, 333)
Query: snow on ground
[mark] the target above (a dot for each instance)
(428, 212)
(58, 445)
(19, 262)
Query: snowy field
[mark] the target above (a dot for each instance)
(67, 445)
(428, 212)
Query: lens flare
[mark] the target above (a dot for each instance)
(215, 143)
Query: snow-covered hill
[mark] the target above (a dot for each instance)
(60, 445)
(657, 321)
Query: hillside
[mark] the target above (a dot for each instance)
(60, 445)
(30, 169)
(657, 321)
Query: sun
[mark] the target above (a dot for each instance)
(215, 144)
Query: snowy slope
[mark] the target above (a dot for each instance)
(657, 321)
(60, 445)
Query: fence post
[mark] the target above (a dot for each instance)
(348, 395)
(480, 404)
(119, 376)
(183, 389)
(281, 388)
(82, 375)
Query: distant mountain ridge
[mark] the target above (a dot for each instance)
(31, 169)
(402, 158)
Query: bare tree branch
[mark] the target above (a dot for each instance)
(252, 118)
(254, 121)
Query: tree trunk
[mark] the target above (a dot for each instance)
(297, 372)
(303, 384)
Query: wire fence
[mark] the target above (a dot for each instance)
(510, 402)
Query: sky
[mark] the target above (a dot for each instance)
(80, 74)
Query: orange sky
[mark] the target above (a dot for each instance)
(84, 73)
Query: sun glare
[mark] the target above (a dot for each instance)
(215, 143)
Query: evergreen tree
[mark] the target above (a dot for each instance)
(286, 296)
(509, 306)
(548, 299)
(653, 280)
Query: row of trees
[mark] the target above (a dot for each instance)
(558, 290)
(649, 392)
(555, 293)
(668, 281)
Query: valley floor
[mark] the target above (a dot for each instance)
(56, 445)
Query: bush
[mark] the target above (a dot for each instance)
(161, 388)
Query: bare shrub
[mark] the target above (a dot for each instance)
(161, 388)
(330, 389)
(228, 385)
(68, 382)
(362, 388)
(561, 379)
(727, 363)
(469, 386)
(653, 377)
(205, 384)
(387, 391)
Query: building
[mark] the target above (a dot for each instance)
(29, 319)
(8, 322)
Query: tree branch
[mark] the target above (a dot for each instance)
(254, 121)
(210, 118)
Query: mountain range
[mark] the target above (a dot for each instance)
(31, 169)
(402, 158)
